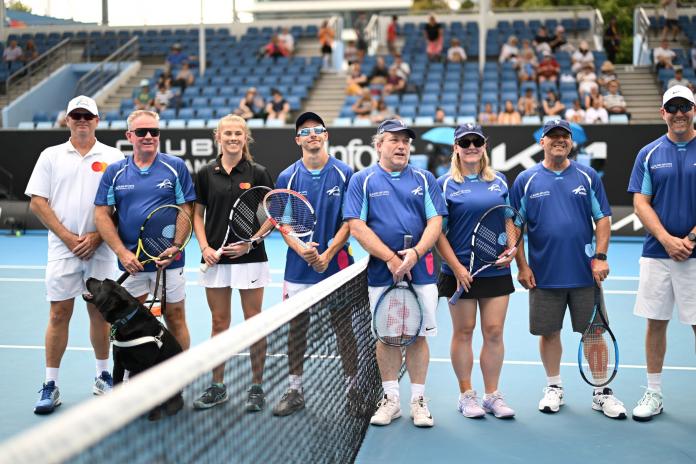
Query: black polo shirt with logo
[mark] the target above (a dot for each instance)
(217, 191)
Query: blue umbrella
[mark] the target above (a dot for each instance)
(579, 135)
(442, 135)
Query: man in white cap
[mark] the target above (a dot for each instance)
(663, 183)
(62, 189)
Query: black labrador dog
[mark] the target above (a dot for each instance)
(133, 324)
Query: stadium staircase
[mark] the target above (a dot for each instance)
(113, 102)
(642, 92)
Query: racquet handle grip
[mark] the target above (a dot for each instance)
(204, 267)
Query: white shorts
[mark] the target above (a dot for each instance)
(427, 294)
(65, 278)
(242, 276)
(143, 283)
(291, 289)
(664, 282)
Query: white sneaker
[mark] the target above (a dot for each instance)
(388, 409)
(420, 413)
(552, 400)
(469, 405)
(648, 406)
(608, 404)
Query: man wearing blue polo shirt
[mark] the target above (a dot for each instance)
(384, 203)
(131, 189)
(663, 183)
(560, 199)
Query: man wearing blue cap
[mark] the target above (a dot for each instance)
(560, 199)
(384, 203)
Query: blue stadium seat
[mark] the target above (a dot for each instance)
(426, 110)
(168, 114)
(40, 116)
(407, 111)
(187, 113)
(199, 102)
(112, 116)
(217, 102)
(204, 113)
(209, 92)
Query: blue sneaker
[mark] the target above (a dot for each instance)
(103, 384)
(50, 399)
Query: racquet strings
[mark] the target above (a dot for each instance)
(399, 318)
(249, 215)
(167, 227)
(291, 213)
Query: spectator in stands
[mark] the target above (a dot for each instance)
(176, 57)
(360, 28)
(528, 104)
(576, 113)
(596, 113)
(326, 38)
(693, 55)
(60, 119)
(455, 53)
(395, 84)
(582, 56)
(381, 112)
(163, 97)
(434, 36)
(614, 102)
(559, 41)
(612, 39)
(379, 72)
(527, 66)
(184, 77)
(509, 51)
(392, 34)
(278, 108)
(487, 116)
(440, 115)
(671, 22)
(542, 40)
(12, 53)
(287, 40)
(251, 106)
(402, 68)
(592, 95)
(275, 48)
(356, 80)
(143, 97)
(663, 56)
(549, 68)
(30, 52)
(679, 79)
(509, 115)
(165, 78)
(586, 79)
(351, 53)
(551, 105)
(363, 106)
(607, 75)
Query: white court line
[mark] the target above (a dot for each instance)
(18, 267)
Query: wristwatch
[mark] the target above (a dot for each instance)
(691, 236)
(600, 256)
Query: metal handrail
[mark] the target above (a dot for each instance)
(372, 34)
(641, 28)
(47, 58)
(99, 76)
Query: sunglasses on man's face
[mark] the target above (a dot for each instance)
(304, 132)
(478, 142)
(672, 108)
(81, 116)
(142, 132)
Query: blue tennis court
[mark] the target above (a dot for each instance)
(576, 434)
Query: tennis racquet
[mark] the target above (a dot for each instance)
(291, 214)
(164, 234)
(598, 353)
(398, 315)
(495, 236)
(247, 219)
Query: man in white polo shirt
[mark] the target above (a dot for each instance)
(62, 189)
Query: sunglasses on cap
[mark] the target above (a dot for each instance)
(478, 142)
(81, 116)
(672, 108)
(304, 132)
(142, 132)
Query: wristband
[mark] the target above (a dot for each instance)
(417, 255)
(205, 248)
(392, 257)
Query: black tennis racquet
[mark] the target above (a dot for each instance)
(495, 236)
(164, 234)
(598, 353)
(247, 219)
(291, 213)
(398, 315)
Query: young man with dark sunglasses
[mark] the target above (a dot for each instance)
(62, 186)
(663, 183)
(131, 189)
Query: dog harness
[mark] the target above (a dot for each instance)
(138, 341)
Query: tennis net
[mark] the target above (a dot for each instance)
(341, 388)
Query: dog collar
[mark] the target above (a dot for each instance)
(121, 322)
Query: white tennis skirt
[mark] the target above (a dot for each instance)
(241, 276)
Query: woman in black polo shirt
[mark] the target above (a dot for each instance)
(242, 267)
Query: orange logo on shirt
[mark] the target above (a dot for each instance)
(244, 185)
(99, 166)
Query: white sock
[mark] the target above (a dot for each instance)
(296, 382)
(391, 388)
(655, 382)
(417, 391)
(102, 365)
(52, 374)
(463, 395)
(555, 380)
(488, 395)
